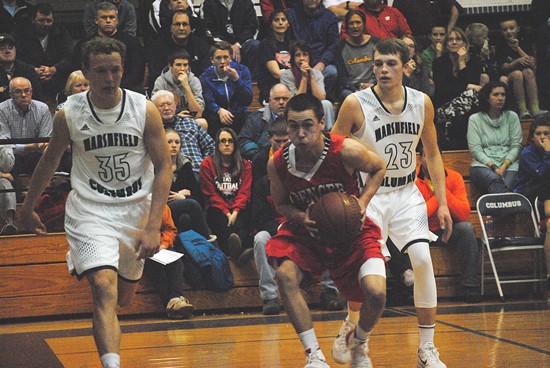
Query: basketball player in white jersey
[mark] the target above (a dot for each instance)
(390, 119)
(120, 177)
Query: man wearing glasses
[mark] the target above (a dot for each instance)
(254, 136)
(23, 117)
(11, 67)
(180, 37)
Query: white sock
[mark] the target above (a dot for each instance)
(110, 360)
(360, 334)
(309, 340)
(426, 334)
(353, 316)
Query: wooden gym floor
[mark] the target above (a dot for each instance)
(492, 334)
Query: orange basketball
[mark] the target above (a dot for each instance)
(338, 217)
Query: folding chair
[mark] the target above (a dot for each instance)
(514, 219)
(539, 207)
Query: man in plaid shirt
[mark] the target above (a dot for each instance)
(195, 141)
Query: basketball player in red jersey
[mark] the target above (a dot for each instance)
(390, 119)
(312, 164)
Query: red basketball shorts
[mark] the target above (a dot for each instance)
(313, 256)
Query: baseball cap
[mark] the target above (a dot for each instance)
(6, 37)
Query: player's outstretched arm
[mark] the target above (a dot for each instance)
(27, 219)
(157, 147)
(436, 169)
(350, 117)
(357, 157)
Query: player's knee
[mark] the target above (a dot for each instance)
(420, 257)
(103, 284)
(376, 298)
(286, 276)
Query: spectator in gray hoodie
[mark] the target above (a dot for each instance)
(186, 87)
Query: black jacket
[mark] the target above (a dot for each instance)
(241, 20)
(197, 47)
(24, 70)
(134, 61)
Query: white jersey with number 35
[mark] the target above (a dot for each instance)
(393, 137)
(110, 161)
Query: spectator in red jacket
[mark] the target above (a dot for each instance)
(226, 182)
(383, 21)
(463, 235)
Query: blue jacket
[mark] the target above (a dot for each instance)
(319, 30)
(232, 96)
(533, 177)
(253, 136)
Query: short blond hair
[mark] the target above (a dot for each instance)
(73, 77)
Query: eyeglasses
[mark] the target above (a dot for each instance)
(453, 39)
(166, 104)
(7, 47)
(19, 92)
(545, 133)
(227, 141)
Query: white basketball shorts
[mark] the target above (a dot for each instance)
(105, 235)
(402, 216)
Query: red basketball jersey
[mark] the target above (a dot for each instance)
(327, 175)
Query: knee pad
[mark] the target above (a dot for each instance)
(425, 290)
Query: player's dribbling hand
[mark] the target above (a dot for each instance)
(149, 244)
(30, 223)
(363, 207)
(311, 225)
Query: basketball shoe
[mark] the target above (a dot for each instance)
(340, 350)
(359, 351)
(428, 357)
(316, 360)
(179, 308)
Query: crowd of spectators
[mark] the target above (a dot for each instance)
(199, 68)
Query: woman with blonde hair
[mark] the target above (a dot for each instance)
(76, 83)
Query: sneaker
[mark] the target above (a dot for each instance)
(540, 113)
(525, 115)
(9, 229)
(234, 246)
(179, 308)
(428, 357)
(245, 257)
(271, 307)
(331, 300)
(340, 350)
(359, 351)
(316, 360)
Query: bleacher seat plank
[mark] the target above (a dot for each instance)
(32, 249)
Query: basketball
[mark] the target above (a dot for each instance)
(338, 217)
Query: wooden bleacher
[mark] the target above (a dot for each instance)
(35, 281)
